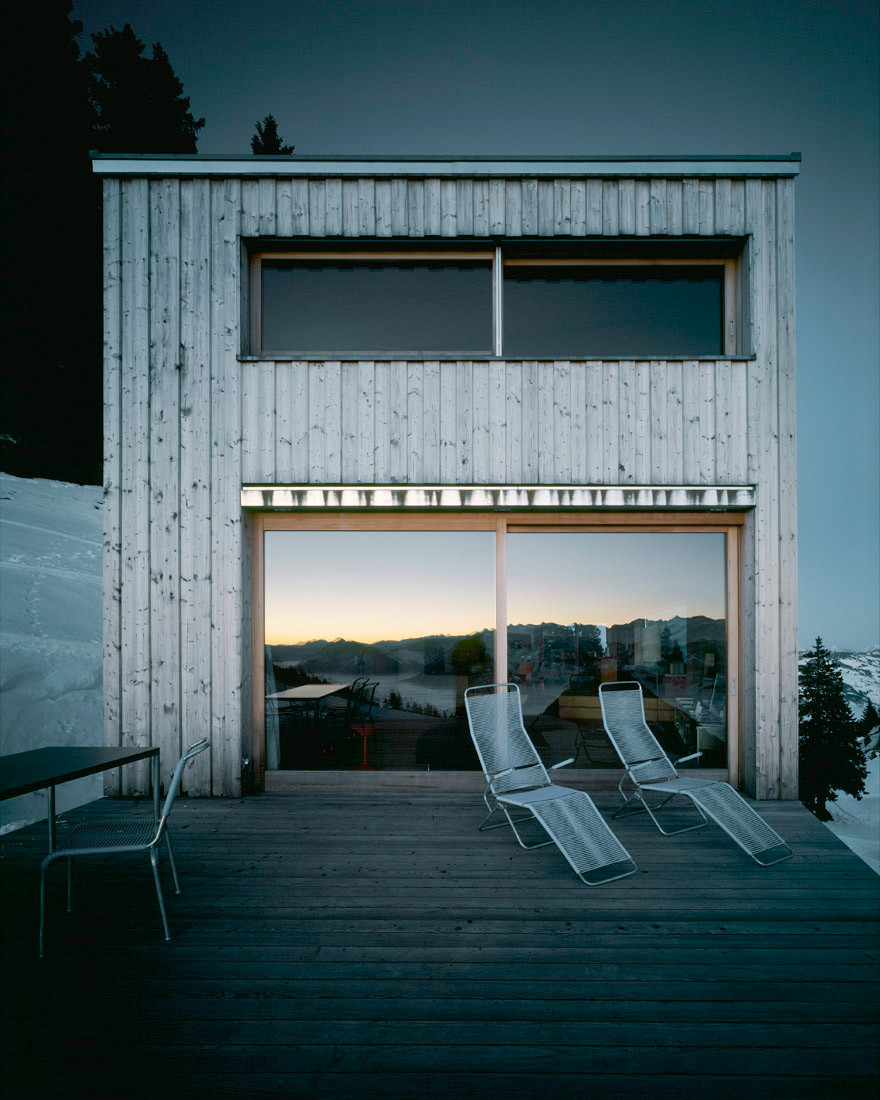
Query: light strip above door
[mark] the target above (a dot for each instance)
(490, 497)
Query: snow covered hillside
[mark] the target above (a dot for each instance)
(50, 629)
(857, 822)
(861, 676)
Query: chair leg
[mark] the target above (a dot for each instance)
(513, 824)
(42, 907)
(484, 827)
(154, 862)
(171, 861)
(674, 832)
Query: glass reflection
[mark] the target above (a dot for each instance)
(371, 639)
(586, 311)
(382, 308)
(591, 608)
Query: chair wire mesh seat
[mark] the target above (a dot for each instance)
(648, 768)
(516, 779)
(94, 838)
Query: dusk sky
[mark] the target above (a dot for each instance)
(372, 585)
(577, 77)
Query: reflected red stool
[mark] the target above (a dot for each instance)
(364, 729)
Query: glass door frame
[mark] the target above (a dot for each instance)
(502, 523)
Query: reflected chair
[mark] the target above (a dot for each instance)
(101, 838)
(648, 768)
(345, 714)
(517, 780)
(594, 745)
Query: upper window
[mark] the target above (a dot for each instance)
(376, 306)
(478, 304)
(565, 311)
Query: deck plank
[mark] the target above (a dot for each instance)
(341, 944)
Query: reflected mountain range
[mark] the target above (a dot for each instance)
(433, 653)
(443, 654)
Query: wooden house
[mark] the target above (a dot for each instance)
(426, 422)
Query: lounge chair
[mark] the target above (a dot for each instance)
(648, 768)
(516, 779)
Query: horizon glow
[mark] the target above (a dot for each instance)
(372, 586)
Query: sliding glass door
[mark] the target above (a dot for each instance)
(372, 630)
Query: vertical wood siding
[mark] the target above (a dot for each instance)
(112, 541)
(186, 423)
(501, 422)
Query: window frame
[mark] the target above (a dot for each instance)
(371, 256)
(728, 264)
(732, 303)
(504, 523)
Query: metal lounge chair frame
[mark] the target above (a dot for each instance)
(517, 779)
(648, 768)
(116, 837)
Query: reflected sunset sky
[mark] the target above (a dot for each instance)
(374, 585)
(609, 578)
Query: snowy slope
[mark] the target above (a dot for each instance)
(50, 629)
(857, 823)
(861, 676)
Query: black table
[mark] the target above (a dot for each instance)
(23, 772)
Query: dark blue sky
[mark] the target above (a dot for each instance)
(579, 77)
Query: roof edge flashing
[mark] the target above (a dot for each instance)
(332, 165)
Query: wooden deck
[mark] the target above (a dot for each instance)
(361, 946)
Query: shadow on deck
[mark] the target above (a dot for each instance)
(376, 945)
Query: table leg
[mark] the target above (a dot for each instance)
(156, 784)
(51, 818)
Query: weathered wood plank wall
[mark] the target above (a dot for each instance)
(187, 422)
(503, 422)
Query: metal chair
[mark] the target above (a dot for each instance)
(345, 713)
(648, 768)
(96, 838)
(516, 778)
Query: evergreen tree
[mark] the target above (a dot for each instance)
(50, 409)
(137, 102)
(831, 758)
(869, 720)
(267, 141)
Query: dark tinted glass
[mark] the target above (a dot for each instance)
(613, 312)
(382, 308)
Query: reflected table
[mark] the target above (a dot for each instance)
(37, 769)
(309, 693)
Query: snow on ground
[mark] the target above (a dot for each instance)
(50, 649)
(50, 629)
(857, 822)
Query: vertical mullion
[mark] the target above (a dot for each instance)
(498, 300)
(501, 600)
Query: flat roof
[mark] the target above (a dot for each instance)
(335, 165)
